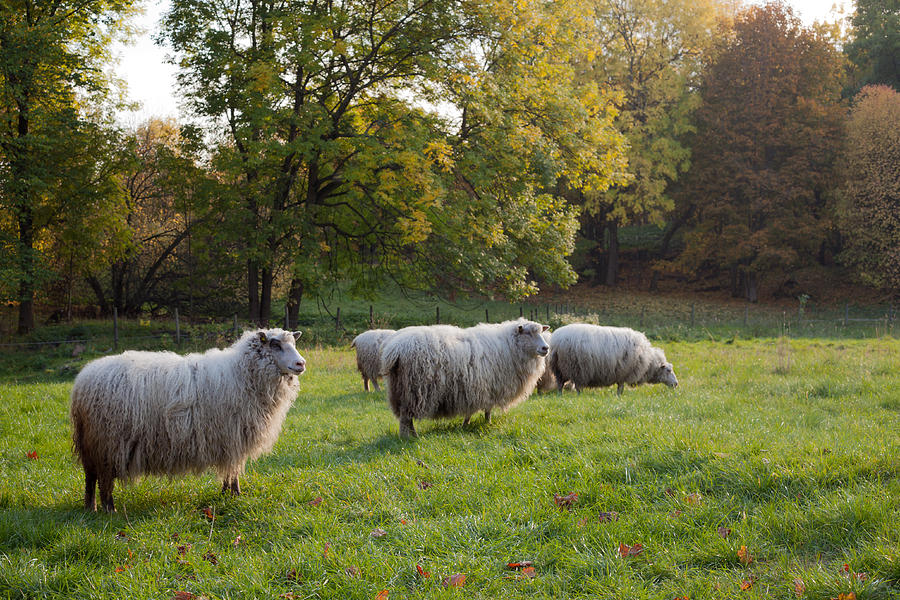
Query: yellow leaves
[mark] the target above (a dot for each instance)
(744, 556)
(441, 154)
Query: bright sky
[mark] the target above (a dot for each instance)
(151, 81)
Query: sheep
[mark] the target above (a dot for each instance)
(368, 354)
(443, 371)
(547, 381)
(160, 413)
(596, 356)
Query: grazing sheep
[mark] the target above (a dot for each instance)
(158, 412)
(547, 381)
(368, 354)
(595, 356)
(443, 371)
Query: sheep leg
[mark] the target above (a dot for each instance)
(407, 430)
(487, 416)
(231, 484)
(375, 383)
(90, 488)
(620, 389)
(366, 383)
(105, 483)
(466, 420)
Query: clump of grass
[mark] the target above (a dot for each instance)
(783, 354)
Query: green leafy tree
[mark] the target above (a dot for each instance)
(869, 204)
(874, 46)
(57, 165)
(650, 50)
(768, 131)
(344, 169)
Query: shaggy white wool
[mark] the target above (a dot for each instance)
(159, 412)
(443, 371)
(596, 356)
(368, 354)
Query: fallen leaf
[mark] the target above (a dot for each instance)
(422, 572)
(566, 501)
(529, 572)
(33, 455)
(693, 499)
(122, 536)
(676, 513)
(625, 550)
(327, 546)
(208, 513)
(799, 588)
(183, 596)
(237, 541)
(316, 501)
(522, 564)
(211, 557)
(403, 521)
(122, 568)
(848, 596)
(723, 532)
(608, 517)
(352, 571)
(744, 556)
(182, 550)
(682, 598)
(382, 595)
(287, 596)
(845, 569)
(457, 580)
(746, 585)
(292, 575)
(378, 533)
(424, 485)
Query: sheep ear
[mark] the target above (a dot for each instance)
(262, 336)
(296, 335)
(544, 328)
(521, 329)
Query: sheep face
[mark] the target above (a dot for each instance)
(281, 348)
(529, 339)
(665, 374)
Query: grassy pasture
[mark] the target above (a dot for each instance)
(791, 445)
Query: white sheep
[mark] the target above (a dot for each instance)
(596, 356)
(443, 371)
(368, 354)
(140, 413)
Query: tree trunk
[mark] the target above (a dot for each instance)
(253, 290)
(737, 282)
(265, 301)
(751, 281)
(26, 266)
(98, 291)
(295, 296)
(612, 255)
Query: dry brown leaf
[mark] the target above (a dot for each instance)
(315, 501)
(208, 513)
(424, 485)
(744, 556)
(183, 596)
(422, 572)
(625, 550)
(122, 536)
(566, 501)
(237, 541)
(382, 595)
(746, 585)
(378, 533)
(723, 532)
(799, 588)
(122, 568)
(529, 572)
(693, 499)
(457, 580)
(847, 596)
(522, 564)
(33, 455)
(292, 575)
(211, 557)
(325, 552)
(182, 550)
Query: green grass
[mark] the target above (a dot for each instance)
(790, 444)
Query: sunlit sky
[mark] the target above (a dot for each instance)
(151, 81)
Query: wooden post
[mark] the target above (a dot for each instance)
(337, 319)
(437, 315)
(521, 312)
(487, 319)
(115, 328)
(371, 318)
(177, 329)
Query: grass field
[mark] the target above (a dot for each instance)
(771, 467)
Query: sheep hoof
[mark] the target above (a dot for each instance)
(487, 416)
(407, 430)
(466, 421)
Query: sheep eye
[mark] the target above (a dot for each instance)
(275, 344)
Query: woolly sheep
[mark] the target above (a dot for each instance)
(140, 413)
(547, 381)
(444, 371)
(596, 356)
(368, 354)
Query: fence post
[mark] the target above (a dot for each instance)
(337, 319)
(371, 318)
(487, 319)
(521, 312)
(115, 328)
(437, 315)
(177, 329)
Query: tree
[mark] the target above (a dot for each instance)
(874, 47)
(54, 154)
(650, 50)
(344, 170)
(869, 204)
(768, 131)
